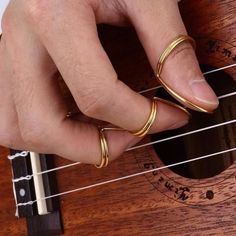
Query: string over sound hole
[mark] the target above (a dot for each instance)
(204, 142)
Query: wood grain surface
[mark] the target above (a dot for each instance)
(162, 203)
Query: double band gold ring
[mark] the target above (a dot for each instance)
(104, 149)
(147, 126)
(180, 39)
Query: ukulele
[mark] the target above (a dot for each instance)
(180, 182)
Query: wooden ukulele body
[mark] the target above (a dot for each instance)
(160, 203)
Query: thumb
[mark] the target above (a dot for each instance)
(158, 23)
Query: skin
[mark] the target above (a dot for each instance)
(42, 37)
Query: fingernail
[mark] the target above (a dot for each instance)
(202, 92)
(179, 124)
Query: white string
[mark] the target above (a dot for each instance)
(137, 174)
(128, 176)
(227, 95)
(25, 153)
(19, 154)
(205, 73)
(29, 177)
(183, 134)
(219, 69)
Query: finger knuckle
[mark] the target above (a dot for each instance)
(94, 102)
(32, 133)
(35, 9)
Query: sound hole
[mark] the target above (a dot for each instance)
(206, 142)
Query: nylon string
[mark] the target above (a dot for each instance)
(28, 177)
(24, 153)
(205, 73)
(128, 176)
(183, 134)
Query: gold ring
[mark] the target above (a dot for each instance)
(176, 106)
(104, 149)
(144, 130)
(180, 39)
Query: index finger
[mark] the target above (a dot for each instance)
(89, 74)
(159, 23)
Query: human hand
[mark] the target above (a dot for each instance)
(42, 37)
